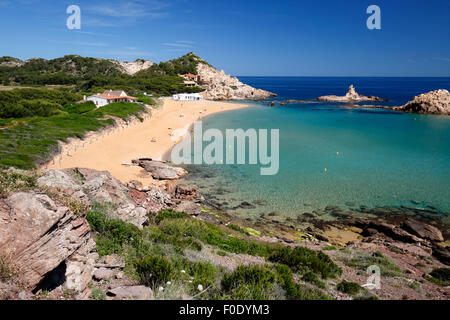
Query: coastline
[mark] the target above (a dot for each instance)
(111, 149)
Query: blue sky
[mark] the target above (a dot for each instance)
(243, 37)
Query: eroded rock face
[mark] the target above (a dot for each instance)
(433, 102)
(41, 236)
(92, 186)
(423, 230)
(133, 67)
(351, 96)
(220, 86)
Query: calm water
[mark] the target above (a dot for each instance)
(373, 157)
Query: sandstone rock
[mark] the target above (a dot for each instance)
(131, 293)
(79, 269)
(135, 185)
(351, 96)
(433, 102)
(389, 230)
(188, 207)
(185, 192)
(443, 254)
(41, 236)
(101, 187)
(103, 273)
(423, 230)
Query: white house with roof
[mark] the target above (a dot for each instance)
(110, 96)
(187, 97)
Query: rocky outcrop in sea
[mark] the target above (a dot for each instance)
(433, 102)
(351, 96)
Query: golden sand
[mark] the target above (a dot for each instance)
(151, 138)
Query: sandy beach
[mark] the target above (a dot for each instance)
(152, 138)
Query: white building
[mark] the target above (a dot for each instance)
(187, 97)
(110, 96)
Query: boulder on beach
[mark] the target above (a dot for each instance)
(160, 170)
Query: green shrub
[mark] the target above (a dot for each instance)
(350, 288)
(98, 294)
(311, 277)
(10, 182)
(237, 228)
(295, 291)
(154, 271)
(441, 276)
(112, 234)
(169, 214)
(6, 269)
(362, 261)
(301, 259)
(80, 108)
(249, 283)
(213, 235)
(329, 248)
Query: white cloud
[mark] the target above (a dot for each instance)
(130, 9)
(179, 44)
(441, 58)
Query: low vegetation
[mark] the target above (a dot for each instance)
(89, 75)
(31, 129)
(12, 181)
(156, 257)
(6, 268)
(347, 287)
(440, 276)
(304, 260)
(362, 261)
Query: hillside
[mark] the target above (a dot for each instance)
(87, 75)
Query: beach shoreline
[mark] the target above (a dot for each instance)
(113, 148)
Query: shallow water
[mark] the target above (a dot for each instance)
(372, 157)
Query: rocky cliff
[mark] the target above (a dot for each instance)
(220, 86)
(351, 96)
(133, 67)
(433, 102)
(45, 235)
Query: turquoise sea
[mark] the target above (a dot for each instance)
(373, 157)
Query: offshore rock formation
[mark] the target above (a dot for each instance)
(220, 86)
(433, 102)
(351, 96)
